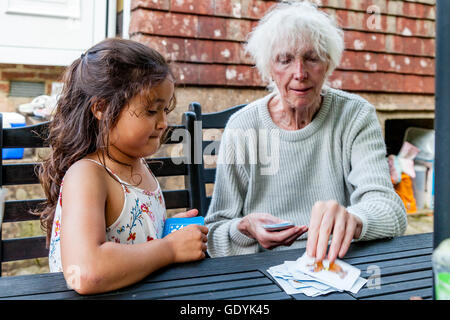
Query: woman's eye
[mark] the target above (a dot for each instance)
(284, 59)
(152, 112)
(312, 58)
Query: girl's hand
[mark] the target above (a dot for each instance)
(331, 218)
(188, 243)
(188, 214)
(252, 226)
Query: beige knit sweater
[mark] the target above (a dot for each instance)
(340, 156)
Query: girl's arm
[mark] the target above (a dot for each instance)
(93, 265)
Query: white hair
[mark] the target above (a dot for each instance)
(288, 26)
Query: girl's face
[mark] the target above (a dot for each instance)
(142, 122)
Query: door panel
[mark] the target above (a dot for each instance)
(49, 32)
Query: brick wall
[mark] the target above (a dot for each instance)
(19, 72)
(389, 44)
(389, 57)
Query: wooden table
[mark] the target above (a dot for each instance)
(404, 264)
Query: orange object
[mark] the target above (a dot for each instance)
(333, 267)
(405, 191)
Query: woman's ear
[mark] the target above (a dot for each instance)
(97, 109)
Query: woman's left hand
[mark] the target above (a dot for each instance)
(329, 217)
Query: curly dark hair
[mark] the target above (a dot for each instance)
(107, 76)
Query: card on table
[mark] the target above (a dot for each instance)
(294, 281)
(339, 274)
(174, 224)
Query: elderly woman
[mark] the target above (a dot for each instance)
(331, 177)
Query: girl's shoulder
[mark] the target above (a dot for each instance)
(86, 171)
(85, 185)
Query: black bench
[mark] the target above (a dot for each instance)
(201, 175)
(25, 173)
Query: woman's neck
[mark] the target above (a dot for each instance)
(291, 118)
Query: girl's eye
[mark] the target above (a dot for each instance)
(154, 112)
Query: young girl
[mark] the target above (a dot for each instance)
(105, 213)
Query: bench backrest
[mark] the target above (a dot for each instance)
(202, 175)
(25, 173)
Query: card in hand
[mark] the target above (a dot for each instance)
(174, 224)
(278, 226)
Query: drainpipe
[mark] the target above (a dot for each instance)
(112, 16)
(442, 125)
(126, 19)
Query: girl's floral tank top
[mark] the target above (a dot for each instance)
(142, 219)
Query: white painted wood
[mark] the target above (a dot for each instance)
(112, 16)
(49, 32)
(126, 19)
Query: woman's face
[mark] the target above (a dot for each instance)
(299, 76)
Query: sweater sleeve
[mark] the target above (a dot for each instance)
(225, 210)
(373, 198)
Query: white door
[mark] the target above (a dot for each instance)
(49, 32)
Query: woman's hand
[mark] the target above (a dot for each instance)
(329, 217)
(252, 226)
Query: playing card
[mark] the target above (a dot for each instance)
(285, 285)
(298, 284)
(280, 271)
(339, 274)
(293, 281)
(304, 278)
(358, 285)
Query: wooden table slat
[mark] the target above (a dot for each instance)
(405, 277)
(386, 271)
(32, 284)
(189, 291)
(394, 288)
(381, 246)
(230, 294)
(202, 280)
(390, 256)
(268, 296)
(329, 296)
(62, 295)
(425, 294)
(394, 263)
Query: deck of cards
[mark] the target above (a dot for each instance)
(312, 278)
